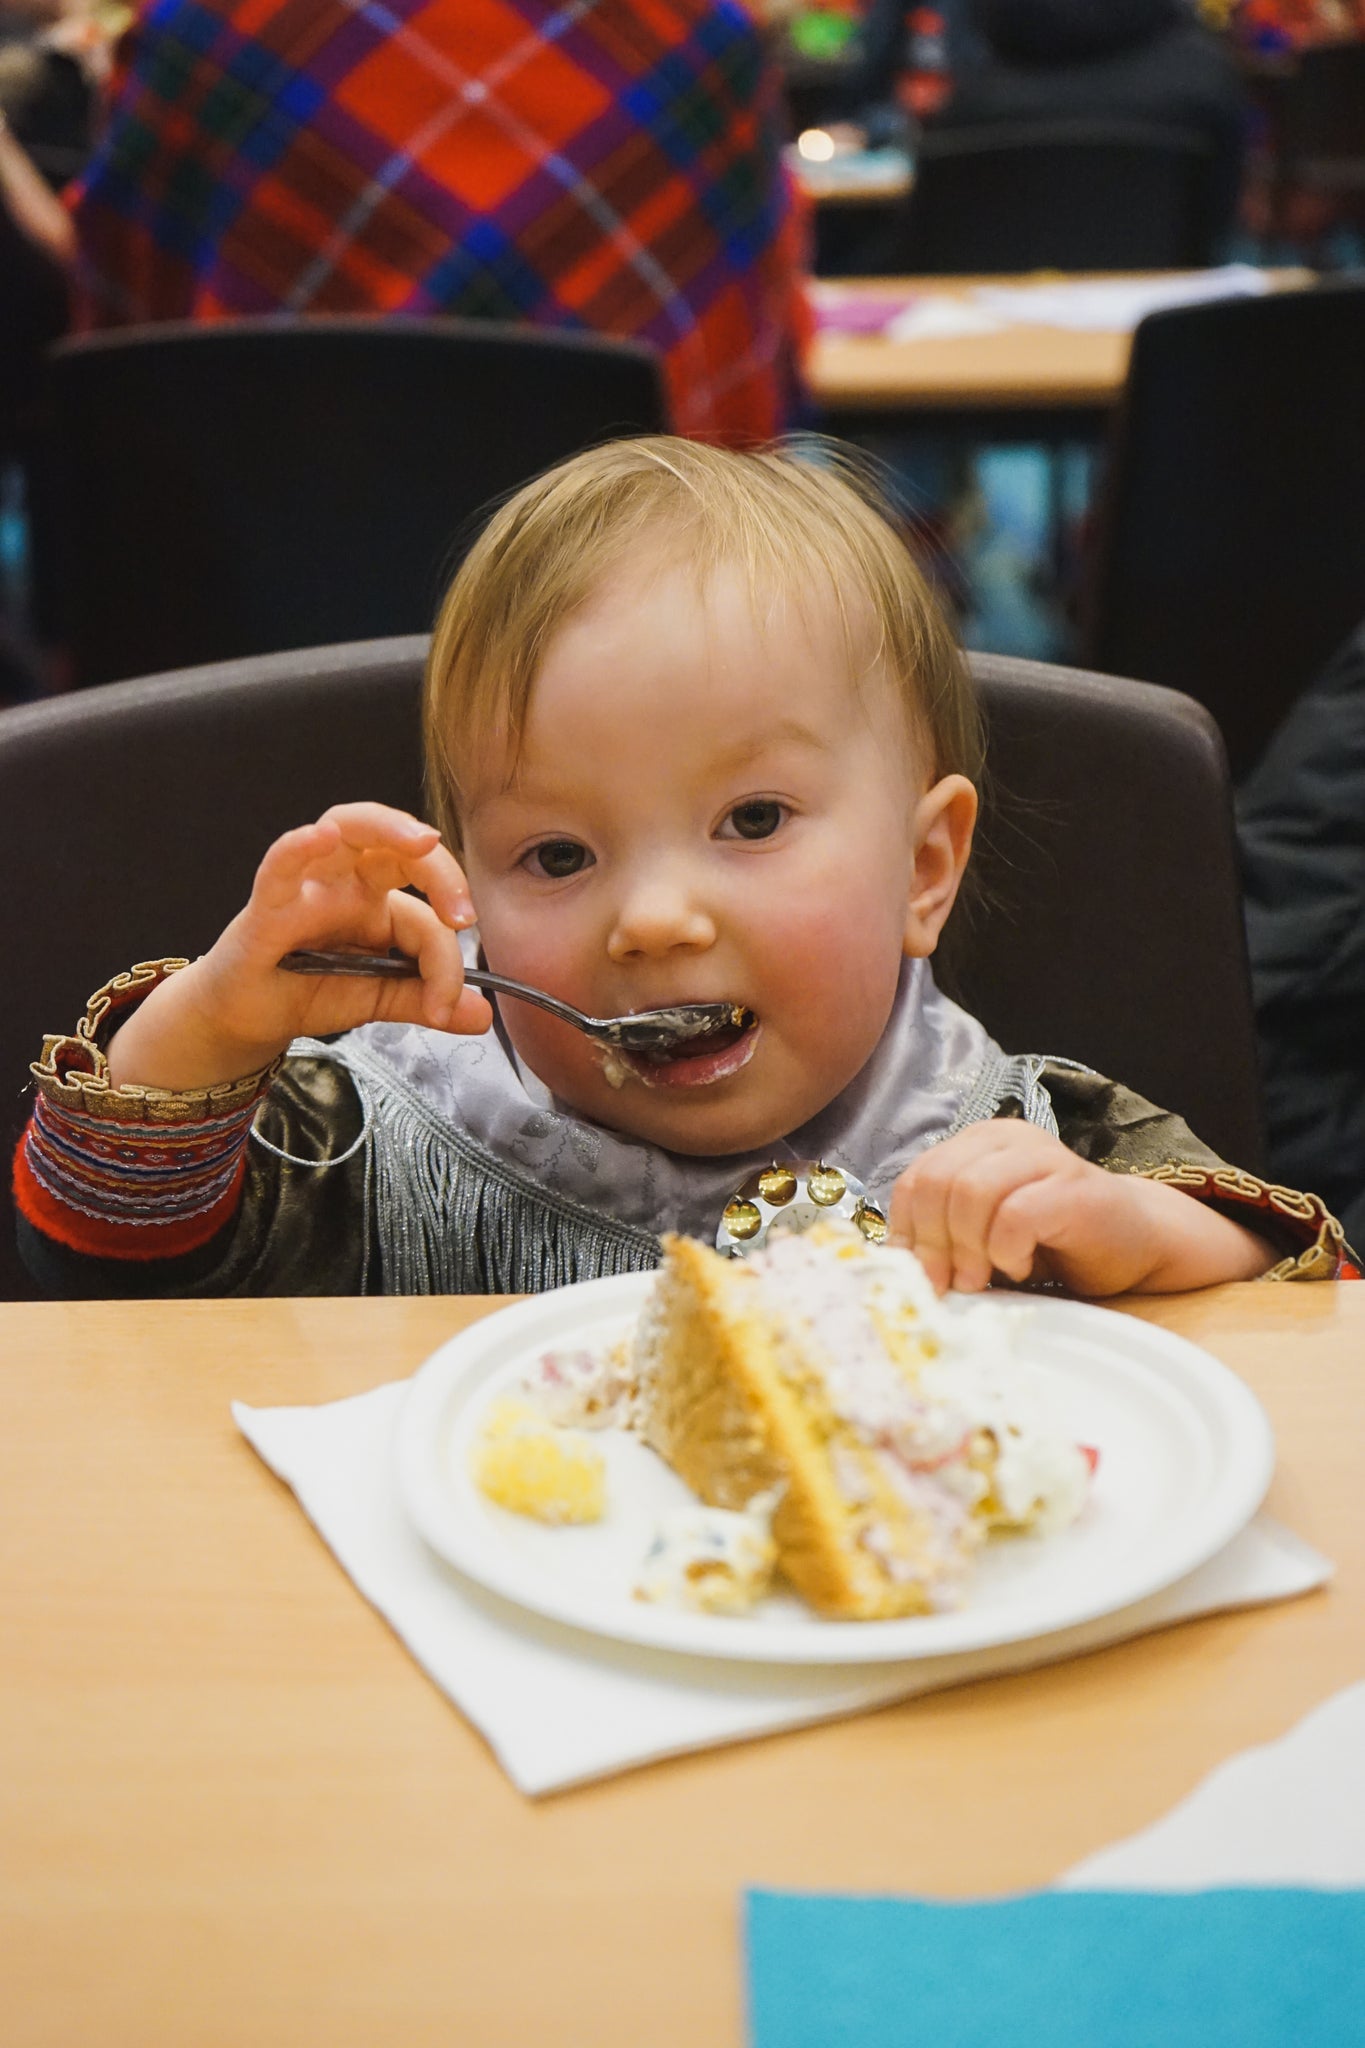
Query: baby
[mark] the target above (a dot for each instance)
(696, 732)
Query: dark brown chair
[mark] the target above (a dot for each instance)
(132, 819)
(1066, 195)
(1111, 927)
(243, 487)
(1230, 546)
(1321, 133)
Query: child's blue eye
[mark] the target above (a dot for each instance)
(758, 819)
(557, 858)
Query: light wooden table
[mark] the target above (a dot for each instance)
(1037, 367)
(1024, 370)
(235, 1811)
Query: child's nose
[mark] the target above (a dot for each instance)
(658, 914)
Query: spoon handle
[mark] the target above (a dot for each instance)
(385, 966)
(401, 967)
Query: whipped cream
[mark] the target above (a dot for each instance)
(582, 1389)
(956, 1418)
(713, 1560)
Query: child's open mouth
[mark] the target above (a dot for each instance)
(696, 1062)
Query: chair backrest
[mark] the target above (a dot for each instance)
(1230, 548)
(1111, 926)
(1073, 195)
(1324, 116)
(132, 819)
(252, 486)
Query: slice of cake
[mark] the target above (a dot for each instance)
(896, 1434)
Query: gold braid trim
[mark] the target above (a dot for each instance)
(1324, 1255)
(73, 1072)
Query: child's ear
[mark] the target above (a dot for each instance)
(945, 819)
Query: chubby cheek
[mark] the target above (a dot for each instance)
(541, 941)
(829, 968)
(545, 952)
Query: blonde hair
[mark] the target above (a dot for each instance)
(787, 522)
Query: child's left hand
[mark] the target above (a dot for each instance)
(1005, 1198)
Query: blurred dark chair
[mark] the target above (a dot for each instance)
(1073, 195)
(1320, 146)
(132, 820)
(1229, 553)
(246, 487)
(1105, 799)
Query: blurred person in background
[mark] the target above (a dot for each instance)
(906, 59)
(46, 99)
(36, 248)
(1301, 824)
(609, 165)
(1272, 26)
(53, 54)
(1148, 61)
(1293, 222)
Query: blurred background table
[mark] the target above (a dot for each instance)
(236, 1811)
(1016, 381)
(1018, 376)
(863, 177)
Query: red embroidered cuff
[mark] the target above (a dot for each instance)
(130, 1173)
(1286, 1217)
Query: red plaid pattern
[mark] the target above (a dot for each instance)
(611, 165)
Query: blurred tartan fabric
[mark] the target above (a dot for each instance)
(610, 165)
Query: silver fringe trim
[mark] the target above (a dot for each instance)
(454, 1219)
(1011, 1078)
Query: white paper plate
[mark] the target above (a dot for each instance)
(1186, 1455)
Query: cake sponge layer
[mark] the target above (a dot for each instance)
(734, 1397)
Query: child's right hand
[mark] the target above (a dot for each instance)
(338, 883)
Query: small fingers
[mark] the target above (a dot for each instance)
(1023, 1221)
(370, 846)
(919, 1222)
(290, 860)
(1083, 1223)
(445, 1003)
(945, 1207)
(395, 848)
(974, 1204)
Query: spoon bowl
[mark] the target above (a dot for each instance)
(656, 1031)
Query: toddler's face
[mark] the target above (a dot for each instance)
(706, 807)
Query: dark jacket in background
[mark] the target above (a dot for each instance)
(1069, 31)
(1302, 829)
(1149, 61)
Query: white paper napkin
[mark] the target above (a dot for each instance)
(1114, 305)
(1290, 1813)
(559, 1706)
(941, 318)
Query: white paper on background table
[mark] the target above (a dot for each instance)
(1078, 305)
(1114, 305)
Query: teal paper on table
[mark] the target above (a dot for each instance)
(1222, 1969)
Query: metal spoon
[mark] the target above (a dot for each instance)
(647, 1031)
